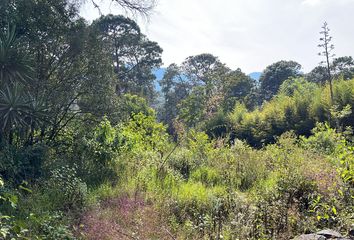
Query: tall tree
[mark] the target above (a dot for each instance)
(343, 67)
(175, 88)
(200, 68)
(134, 56)
(236, 86)
(340, 67)
(71, 68)
(318, 75)
(274, 75)
(192, 109)
(202, 87)
(99, 98)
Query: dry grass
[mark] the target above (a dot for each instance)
(124, 218)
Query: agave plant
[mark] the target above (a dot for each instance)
(14, 107)
(14, 64)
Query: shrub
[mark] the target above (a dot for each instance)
(19, 164)
(323, 140)
(206, 175)
(66, 190)
(200, 209)
(9, 227)
(49, 226)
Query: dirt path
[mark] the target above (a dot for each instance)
(124, 218)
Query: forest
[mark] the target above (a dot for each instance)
(90, 149)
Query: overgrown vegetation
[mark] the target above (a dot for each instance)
(87, 151)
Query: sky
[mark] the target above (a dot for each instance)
(246, 34)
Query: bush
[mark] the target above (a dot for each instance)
(324, 139)
(9, 227)
(49, 226)
(66, 190)
(16, 223)
(206, 175)
(19, 164)
(201, 210)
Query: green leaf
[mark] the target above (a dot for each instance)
(334, 210)
(13, 200)
(25, 189)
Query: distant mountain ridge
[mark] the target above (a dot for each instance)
(255, 75)
(159, 72)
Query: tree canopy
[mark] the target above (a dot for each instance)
(274, 75)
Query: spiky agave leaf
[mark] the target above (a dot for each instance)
(38, 110)
(14, 107)
(14, 64)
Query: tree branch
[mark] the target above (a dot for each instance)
(142, 7)
(95, 5)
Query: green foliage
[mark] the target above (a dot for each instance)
(78, 133)
(344, 98)
(129, 105)
(217, 125)
(237, 87)
(323, 140)
(200, 69)
(14, 64)
(50, 227)
(201, 209)
(9, 228)
(134, 55)
(318, 75)
(66, 190)
(283, 197)
(298, 106)
(191, 108)
(175, 88)
(197, 194)
(143, 133)
(207, 176)
(199, 91)
(296, 87)
(17, 165)
(345, 168)
(95, 153)
(343, 67)
(274, 76)
(18, 224)
(13, 108)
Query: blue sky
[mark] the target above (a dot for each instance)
(249, 34)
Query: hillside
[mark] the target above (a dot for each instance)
(91, 148)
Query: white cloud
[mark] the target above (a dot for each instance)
(312, 2)
(249, 34)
